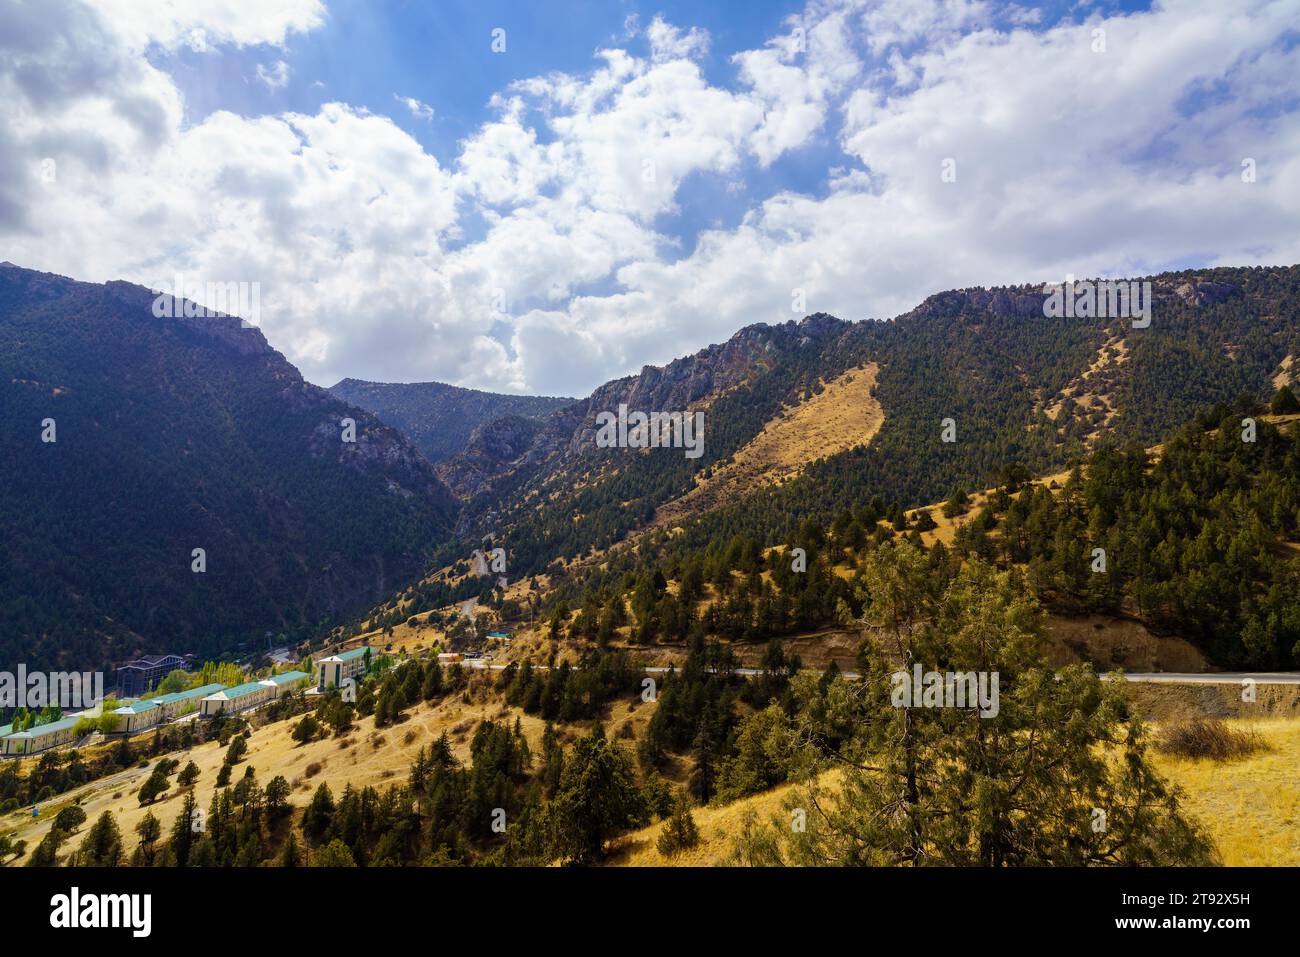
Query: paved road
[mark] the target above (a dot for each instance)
(1220, 678)
(1170, 677)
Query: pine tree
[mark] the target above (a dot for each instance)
(155, 785)
(1284, 402)
(1017, 782)
(182, 837)
(318, 816)
(47, 851)
(148, 830)
(333, 854)
(598, 797)
(102, 846)
(680, 833)
(291, 855)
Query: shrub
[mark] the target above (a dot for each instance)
(1210, 738)
(680, 832)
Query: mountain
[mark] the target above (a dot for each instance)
(196, 431)
(493, 447)
(1020, 388)
(440, 418)
(172, 434)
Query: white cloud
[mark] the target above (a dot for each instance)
(667, 42)
(203, 23)
(538, 259)
(795, 76)
(421, 111)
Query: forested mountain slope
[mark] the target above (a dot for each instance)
(1011, 384)
(172, 435)
(440, 418)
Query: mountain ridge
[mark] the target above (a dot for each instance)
(176, 434)
(439, 418)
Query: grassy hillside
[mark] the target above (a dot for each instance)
(1249, 806)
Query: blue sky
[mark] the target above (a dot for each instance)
(367, 53)
(625, 184)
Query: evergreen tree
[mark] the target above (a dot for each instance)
(102, 846)
(598, 798)
(680, 833)
(1017, 783)
(290, 854)
(333, 854)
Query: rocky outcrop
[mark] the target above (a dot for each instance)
(494, 447)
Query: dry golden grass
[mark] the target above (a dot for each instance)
(365, 756)
(1081, 391)
(844, 415)
(718, 827)
(1286, 372)
(1249, 806)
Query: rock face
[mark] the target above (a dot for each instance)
(1200, 293)
(493, 448)
(683, 383)
(440, 418)
(1003, 300)
(176, 434)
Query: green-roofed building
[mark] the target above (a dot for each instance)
(287, 682)
(239, 698)
(175, 703)
(336, 669)
(148, 712)
(42, 737)
(136, 716)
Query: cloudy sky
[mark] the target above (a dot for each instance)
(539, 196)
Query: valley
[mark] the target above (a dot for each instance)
(746, 586)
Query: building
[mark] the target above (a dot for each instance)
(141, 676)
(42, 737)
(287, 682)
(182, 702)
(252, 694)
(334, 670)
(239, 698)
(136, 717)
(146, 713)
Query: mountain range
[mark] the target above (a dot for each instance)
(174, 434)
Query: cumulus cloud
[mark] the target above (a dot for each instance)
(201, 24)
(668, 42)
(542, 255)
